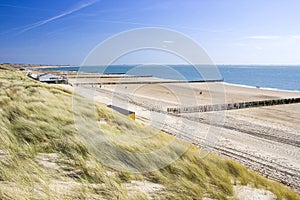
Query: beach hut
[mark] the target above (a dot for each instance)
(123, 111)
(50, 78)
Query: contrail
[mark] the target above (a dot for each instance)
(80, 6)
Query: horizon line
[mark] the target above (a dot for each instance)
(226, 64)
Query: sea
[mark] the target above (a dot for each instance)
(263, 76)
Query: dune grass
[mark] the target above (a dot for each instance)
(37, 120)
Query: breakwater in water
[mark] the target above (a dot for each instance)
(137, 82)
(232, 106)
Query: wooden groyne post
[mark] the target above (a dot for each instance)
(232, 106)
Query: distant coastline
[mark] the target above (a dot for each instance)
(271, 77)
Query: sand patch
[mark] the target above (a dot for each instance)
(147, 187)
(249, 193)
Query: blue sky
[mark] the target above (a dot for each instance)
(231, 31)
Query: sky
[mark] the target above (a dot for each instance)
(230, 31)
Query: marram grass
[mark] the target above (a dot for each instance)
(42, 156)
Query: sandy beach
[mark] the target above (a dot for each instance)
(266, 139)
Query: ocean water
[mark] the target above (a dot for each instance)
(273, 77)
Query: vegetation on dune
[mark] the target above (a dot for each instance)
(42, 155)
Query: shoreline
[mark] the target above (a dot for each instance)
(263, 88)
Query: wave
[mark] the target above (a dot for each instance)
(264, 88)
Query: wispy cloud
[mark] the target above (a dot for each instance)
(24, 7)
(262, 37)
(261, 42)
(159, 6)
(270, 37)
(159, 25)
(100, 12)
(255, 46)
(296, 37)
(76, 8)
(168, 41)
